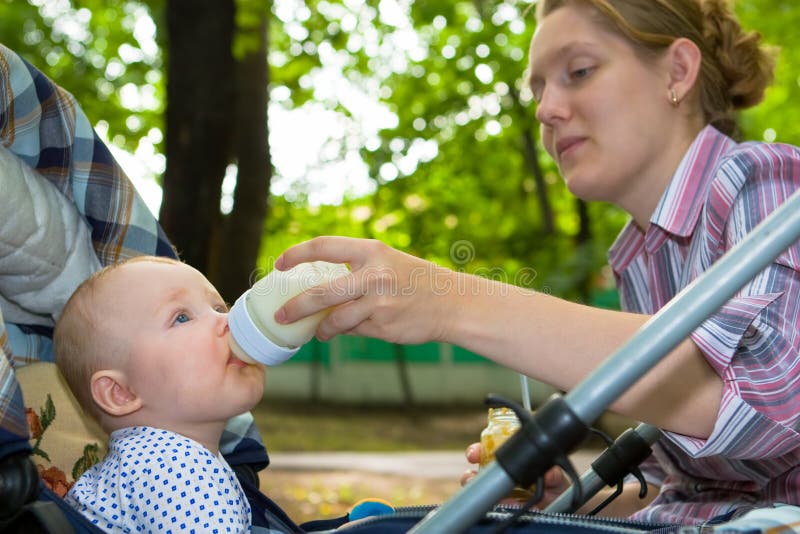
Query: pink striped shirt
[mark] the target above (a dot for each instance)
(720, 191)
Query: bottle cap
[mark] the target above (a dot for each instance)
(252, 340)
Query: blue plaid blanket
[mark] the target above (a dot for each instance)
(44, 126)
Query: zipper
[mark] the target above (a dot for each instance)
(501, 512)
(593, 519)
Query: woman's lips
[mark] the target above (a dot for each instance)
(567, 145)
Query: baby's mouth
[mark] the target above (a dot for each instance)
(236, 362)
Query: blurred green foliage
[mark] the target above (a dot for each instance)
(97, 50)
(451, 180)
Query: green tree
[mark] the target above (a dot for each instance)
(100, 51)
(459, 88)
(195, 70)
(459, 177)
(216, 116)
(776, 118)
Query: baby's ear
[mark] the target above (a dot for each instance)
(111, 393)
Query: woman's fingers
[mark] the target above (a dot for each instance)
(555, 480)
(369, 274)
(468, 475)
(344, 319)
(334, 249)
(388, 294)
(337, 291)
(367, 289)
(473, 453)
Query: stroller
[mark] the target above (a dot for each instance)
(68, 209)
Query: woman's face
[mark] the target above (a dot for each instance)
(602, 109)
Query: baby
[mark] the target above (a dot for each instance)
(143, 345)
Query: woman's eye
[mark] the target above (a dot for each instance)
(580, 73)
(181, 318)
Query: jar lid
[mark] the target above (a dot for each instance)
(252, 340)
(503, 413)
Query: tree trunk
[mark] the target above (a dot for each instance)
(199, 123)
(531, 158)
(244, 226)
(584, 234)
(582, 242)
(402, 374)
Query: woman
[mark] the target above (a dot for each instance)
(635, 100)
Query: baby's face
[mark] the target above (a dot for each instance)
(179, 361)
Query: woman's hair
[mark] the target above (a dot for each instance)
(735, 70)
(85, 339)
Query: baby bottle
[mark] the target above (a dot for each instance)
(255, 335)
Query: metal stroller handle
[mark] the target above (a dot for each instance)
(593, 479)
(663, 332)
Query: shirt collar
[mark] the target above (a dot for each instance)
(679, 208)
(680, 205)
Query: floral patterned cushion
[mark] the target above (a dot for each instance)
(65, 441)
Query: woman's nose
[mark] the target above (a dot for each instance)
(552, 106)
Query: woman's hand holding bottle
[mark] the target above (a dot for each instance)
(388, 294)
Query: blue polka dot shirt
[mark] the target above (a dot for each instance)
(154, 480)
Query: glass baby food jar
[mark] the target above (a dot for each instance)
(502, 424)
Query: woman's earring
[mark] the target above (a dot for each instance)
(673, 98)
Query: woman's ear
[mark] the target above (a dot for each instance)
(683, 62)
(111, 393)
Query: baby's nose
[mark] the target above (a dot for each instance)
(222, 322)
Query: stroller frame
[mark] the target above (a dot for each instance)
(584, 404)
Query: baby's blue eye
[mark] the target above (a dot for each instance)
(182, 318)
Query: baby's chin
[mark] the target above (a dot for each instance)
(252, 401)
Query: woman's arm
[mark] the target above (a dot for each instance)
(560, 343)
(403, 299)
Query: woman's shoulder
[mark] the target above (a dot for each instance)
(754, 171)
(751, 181)
(755, 160)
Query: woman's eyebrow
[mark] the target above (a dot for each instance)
(558, 53)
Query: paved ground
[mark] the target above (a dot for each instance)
(434, 464)
(316, 485)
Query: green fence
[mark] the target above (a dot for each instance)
(352, 348)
